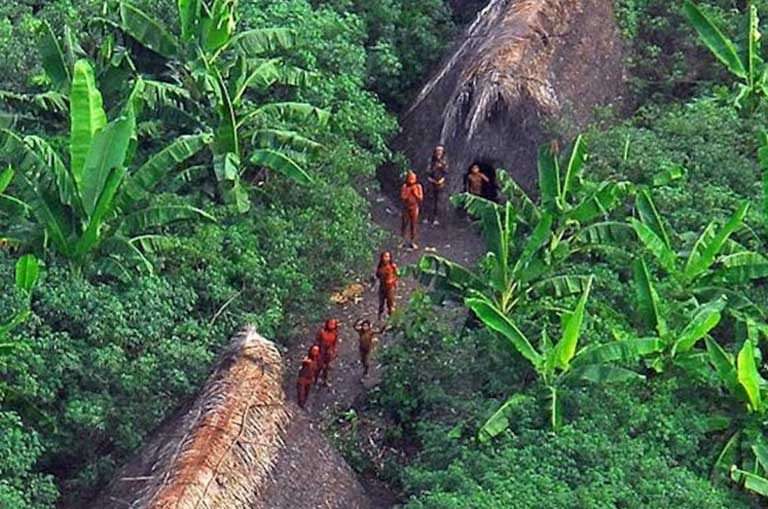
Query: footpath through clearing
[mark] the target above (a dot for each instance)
(310, 473)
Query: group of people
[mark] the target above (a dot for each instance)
(316, 366)
(412, 193)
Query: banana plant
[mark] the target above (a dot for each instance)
(745, 62)
(678, 344)
(714, 261)
(528, 242)
(746, 444)
(100, 199)
(217, 72)
(559, 364)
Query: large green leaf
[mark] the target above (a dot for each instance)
(650, 216)
(499, 421)
(105, 205)
(218, 24)
(526, 209)
(162, 215)
(602, 374)
(549, 179)
(605, 234)
(279, 162)
(572, 330)
(261, 76)
(721, 46)
(724, 365)
(287, 112)
(227, 139)
(705, 319)
(623, 350)
(600, 203)
(6, 176)
(257, 42)
(576, 159)
(148, 31)
(648, 301)
(40, 163)
(753, 58)
(709, 244)
(442, 274)
(52, 215)
(495, 320)
(278, 138)
(760, 448)
(27, 272)
(159, 165)
(560, 286)
(535, 241)
(749, 377)
(751, 481)
(653, 243)
(87, 117)
(108, 151)
(54, 62)
(743, 267)
(189, 18)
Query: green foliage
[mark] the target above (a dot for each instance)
(635, 445)
(81, 206)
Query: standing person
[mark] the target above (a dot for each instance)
(327, 340)
(437, 173)
(307, 376)
(412, 195)
(386, 273)
(314, 356)
(476, 180)
(367, 342)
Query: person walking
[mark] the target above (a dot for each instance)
(386, 273)
(412, 196)
(307, 376)
(437, 174)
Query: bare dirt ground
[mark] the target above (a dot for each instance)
(310, 473)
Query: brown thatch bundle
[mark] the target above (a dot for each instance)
(219, 450)
(520, 67)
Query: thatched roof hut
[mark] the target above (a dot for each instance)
(523, 72)
(218, 451)
(238, 445)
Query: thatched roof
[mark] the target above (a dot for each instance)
(218, 451)
(520, 66)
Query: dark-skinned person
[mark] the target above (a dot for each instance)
(367, 342)
(327, 340)
(437, 175)
(386, 273)
(412, 196)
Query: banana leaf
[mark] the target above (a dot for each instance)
(601, 203)
(576, 158)
(723, 48)
(549, 179)
(650, 216)
(87, 117)
(705, 318)
(602, 374)
(749, 377)
(499, 421)
(751, 481)
(148, 31)
(620, 351)
(560, 286)
(257, 42)
(495, 320)
(27, 273)
(743, 267)
(656, 245)
(53, 59)
(572, 324)
(277, 161)
(161, 215)
(648, 302)
(709, 244)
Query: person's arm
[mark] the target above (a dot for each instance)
(485, 178)
(419, 191)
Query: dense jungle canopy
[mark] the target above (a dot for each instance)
(591, 332)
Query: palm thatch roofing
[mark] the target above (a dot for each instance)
(218, 451)
(524, 72)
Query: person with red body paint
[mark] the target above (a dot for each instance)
(386, 273)
(307, 376)
(327, 340)
(412, 195)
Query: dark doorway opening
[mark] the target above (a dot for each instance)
(490, 188)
